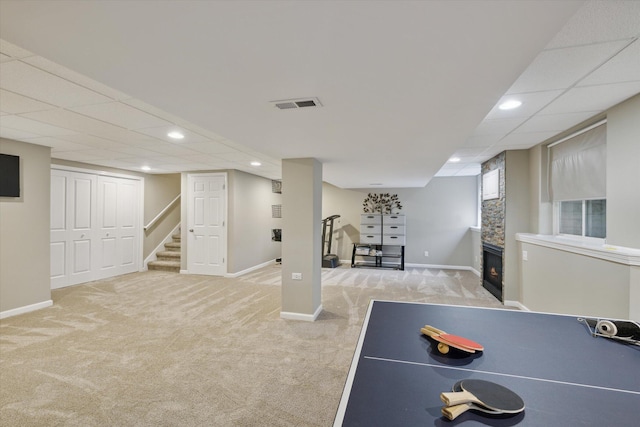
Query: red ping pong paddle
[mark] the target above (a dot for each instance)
(447, 340)
(485, 394)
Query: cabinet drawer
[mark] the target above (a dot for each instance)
(394, 240)
(370, 218)
(393, 219)
(370, 229)
(374, 239)
(392, 229)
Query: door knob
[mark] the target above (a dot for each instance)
(191, 230)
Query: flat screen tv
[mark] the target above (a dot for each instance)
(9, 175)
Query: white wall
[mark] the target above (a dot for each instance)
(24, 232)
(438, 217)
(557, 281)
(250, 222)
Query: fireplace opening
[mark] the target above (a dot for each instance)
(492, 269)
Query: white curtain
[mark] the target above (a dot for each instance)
(578, 167)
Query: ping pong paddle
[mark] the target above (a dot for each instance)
(485, 394)
(446, 340)
(452, 412)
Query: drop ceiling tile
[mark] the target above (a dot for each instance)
(599, 20)
(238, 157)
(592, 98)
(57, 144)
(162, 131)
(562, 68)
(121, 115)
(624, 67)
(79, 156)
(72, 76)
(12, 50)
(498, 127)
(531, 104)
(554, 122)
(170, 149)
(34, 126)
(70, 120)
(15, 134)
(14, 103)
(524, 140)
(130, 138)
(37, 84)
(211, 147)
(92, 141)
(481, 141)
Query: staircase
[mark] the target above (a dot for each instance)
(169, 259)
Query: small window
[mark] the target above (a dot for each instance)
(584, 218)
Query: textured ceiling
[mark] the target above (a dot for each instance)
(404, 85)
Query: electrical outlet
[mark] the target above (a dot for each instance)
(296, 276)
(525, 255)
(426, 253)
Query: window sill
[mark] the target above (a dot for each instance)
(618, 254)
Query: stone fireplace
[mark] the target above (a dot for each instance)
(493, 229)
(492, 269)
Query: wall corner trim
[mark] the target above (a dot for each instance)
(25, 309)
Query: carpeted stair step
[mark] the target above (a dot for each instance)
(173, 266)
(168, 256)
(173, 246)
(176, 237)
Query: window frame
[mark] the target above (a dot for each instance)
(582, 237)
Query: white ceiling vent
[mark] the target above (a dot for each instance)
(286, 104)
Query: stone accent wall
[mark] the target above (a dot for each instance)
(493, 211)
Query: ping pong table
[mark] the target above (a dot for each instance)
(566, 376)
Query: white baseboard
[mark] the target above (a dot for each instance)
(25, 309)
(300, 316)
(250, 269)
(442, 267)
(152, 256)
(516, 304)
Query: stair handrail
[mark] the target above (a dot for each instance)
(162, 212)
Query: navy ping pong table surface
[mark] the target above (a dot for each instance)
(566, 376)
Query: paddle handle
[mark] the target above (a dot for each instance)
(452, 412)
(456, 398)
(431, 331)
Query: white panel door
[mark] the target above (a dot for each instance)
(206, 224)
(95, 227)
(72, 227)
(118, 227)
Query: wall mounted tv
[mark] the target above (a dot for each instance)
(9, 175)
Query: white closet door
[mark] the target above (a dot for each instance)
(95, 227)
(207, 236)
(72, 227)
(118, 228)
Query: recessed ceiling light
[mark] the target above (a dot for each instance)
(510, 105)
(254, 163)
(145, 168)
(454, 160)
(175, 135)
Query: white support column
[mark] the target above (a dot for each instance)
(301, 239)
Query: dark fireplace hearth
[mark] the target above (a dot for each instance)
(492, 269)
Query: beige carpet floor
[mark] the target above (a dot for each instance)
(164, 349)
